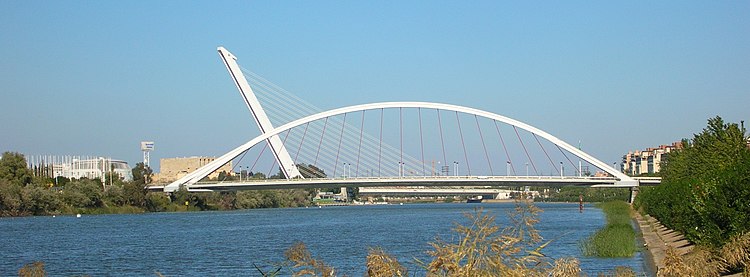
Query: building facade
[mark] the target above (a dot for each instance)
(647, 161)
(172, 169)
(76, 167)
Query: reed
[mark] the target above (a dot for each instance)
(617, 238)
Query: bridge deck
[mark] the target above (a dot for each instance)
(429, 181)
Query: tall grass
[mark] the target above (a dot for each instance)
(617, 238)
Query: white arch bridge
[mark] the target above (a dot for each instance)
(618, 179)
(294, 177)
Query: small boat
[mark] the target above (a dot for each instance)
(477, 199)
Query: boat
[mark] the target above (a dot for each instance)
(477, 199)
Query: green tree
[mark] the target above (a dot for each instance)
(83, 193)
(142, 174)
(10, 199)
(156, 202)
(224, 176)
(13, 169)
(705, 189)
(134, 193)
(40, 200)
(259, 175)
(278, 175)
(115, 195)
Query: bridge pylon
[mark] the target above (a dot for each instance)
(264, 124)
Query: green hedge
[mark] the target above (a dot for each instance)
(705, 189)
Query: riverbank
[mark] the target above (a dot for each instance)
(658, 239)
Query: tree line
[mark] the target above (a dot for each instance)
(23, 194)
(705, 188)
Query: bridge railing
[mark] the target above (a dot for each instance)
(458, 178)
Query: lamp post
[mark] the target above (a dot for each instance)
(346, 170)
(561, 169)
(507, 168)
(527, 169)
(455, 168)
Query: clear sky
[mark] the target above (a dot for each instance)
(97, 77)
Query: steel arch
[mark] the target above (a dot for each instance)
(202, 172)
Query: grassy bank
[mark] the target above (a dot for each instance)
(617, 238)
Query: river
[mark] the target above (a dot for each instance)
(232, 243)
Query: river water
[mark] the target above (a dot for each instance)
(232, 243)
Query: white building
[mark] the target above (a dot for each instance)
(79, 167)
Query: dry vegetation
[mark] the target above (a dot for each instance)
(481, 248)
(35, 269)
(733, 257)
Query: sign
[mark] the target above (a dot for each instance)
(147, 145)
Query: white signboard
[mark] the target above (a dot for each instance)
(147, 145)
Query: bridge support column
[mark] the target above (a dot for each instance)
(344, 194)
(633, 194)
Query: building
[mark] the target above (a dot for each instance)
(172, 169)
(647, 161)
(76, 167)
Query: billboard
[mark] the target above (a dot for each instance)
(147, 145)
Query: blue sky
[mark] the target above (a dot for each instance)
(97, 77)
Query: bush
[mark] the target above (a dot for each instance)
(157, 202)
(705, 189)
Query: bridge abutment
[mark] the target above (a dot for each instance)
(633, 194)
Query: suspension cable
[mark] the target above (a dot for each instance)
(442, 143)
(545, 153)
(507, 155)
(235, 166)
(466, 156)
(274, 160)
(273, 165)
(401, 133)
(484, 145)
(336, 163)
(421, 140)
(525, 150)
(359, 149)
(301, 141)
(566, 157)
(258, 158)
(325, 124)
(380, 148)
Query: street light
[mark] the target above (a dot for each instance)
(455, 168)
(507, 168)
(561, 169)
(527, 168)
